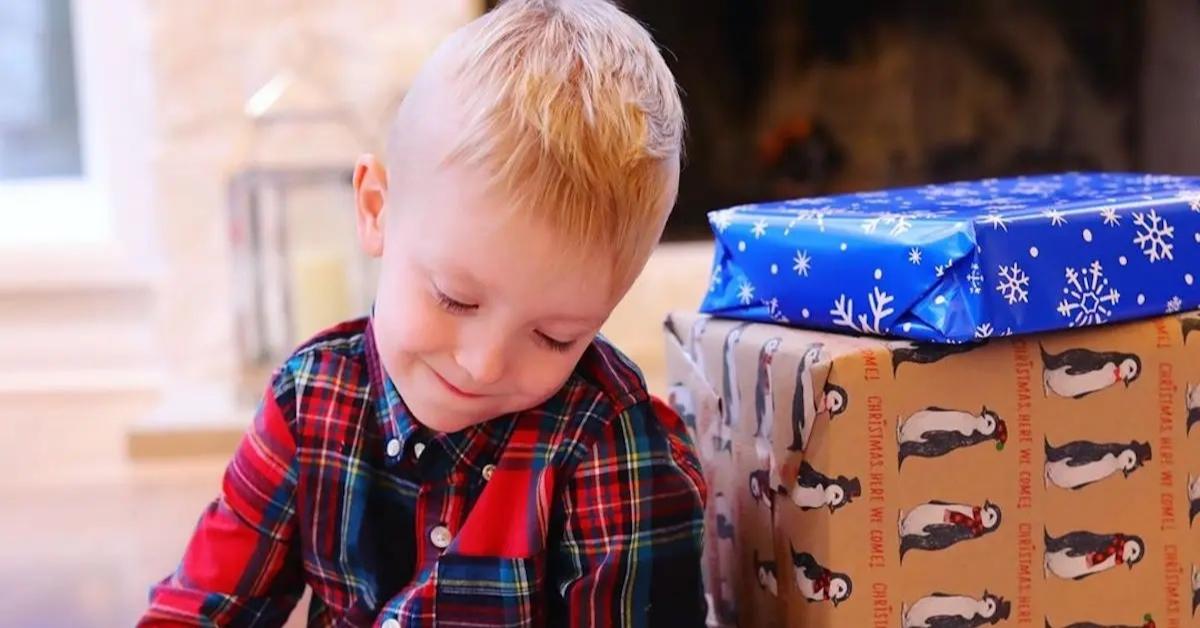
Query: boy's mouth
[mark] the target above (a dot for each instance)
(455, 389)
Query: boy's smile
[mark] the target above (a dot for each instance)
(456, 390)
(479, 314)
(480, 311)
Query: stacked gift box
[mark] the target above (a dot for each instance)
(954, 405)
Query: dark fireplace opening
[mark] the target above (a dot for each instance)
(790, 98)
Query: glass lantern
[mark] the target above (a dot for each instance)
(297, 267)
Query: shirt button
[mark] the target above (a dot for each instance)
(391, 623)
(393, 447)
(418, 449)
(440, 537)
(488, 470)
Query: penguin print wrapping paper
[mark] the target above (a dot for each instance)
(1048, 481)
(955, 262)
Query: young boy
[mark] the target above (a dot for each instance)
(473, 454)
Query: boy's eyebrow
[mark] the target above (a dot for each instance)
(587, 320)
(448, 271)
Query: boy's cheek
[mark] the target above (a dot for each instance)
(417, 330)
(411, 324)
(542, 377)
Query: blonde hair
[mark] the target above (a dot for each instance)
(573, 112)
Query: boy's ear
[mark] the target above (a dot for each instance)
(370, 198)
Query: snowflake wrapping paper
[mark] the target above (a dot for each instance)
(956, 262)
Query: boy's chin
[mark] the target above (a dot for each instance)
(450, 425)
(444, 416)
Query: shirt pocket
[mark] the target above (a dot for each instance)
(490, 591)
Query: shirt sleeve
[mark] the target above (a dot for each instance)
(242, 564)
(630, 550)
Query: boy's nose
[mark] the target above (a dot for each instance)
(483, 361)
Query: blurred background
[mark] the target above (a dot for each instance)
(175, 206)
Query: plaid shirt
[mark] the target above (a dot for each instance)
(584, 511)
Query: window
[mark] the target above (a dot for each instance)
(39, 115)
(74, 124)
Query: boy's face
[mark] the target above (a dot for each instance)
(478, 312)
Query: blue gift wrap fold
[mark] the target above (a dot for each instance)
(961, 261)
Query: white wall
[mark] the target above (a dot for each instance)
(209, 57)
(163, 84)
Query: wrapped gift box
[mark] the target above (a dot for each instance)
(858, 482)
(952, 263)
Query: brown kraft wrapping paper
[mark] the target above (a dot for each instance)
(1030, 481)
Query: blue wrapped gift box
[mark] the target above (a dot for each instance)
(957, 262)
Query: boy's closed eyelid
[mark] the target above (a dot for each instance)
(557, 337)
(454, 293)
(452, 305)
(554, 344)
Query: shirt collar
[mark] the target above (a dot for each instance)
(472, 448)
(394, 419)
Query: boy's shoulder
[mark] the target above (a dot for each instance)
(615, 421)
(606, 371)
(346, 339)
(606, 400)
(333, 358)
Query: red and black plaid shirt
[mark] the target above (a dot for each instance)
(584, 511)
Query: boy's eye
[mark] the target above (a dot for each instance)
(456, 307)
(561, 346)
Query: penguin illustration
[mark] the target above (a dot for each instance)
(725, 530)
(935, 432)
(813, 489)
(764, 400)
(1195, 589)
(1081, 463)
(807, 406)
(804, 406)
(1147, 622)
(1193, 490)
(834, 401)
(1079, 555)
(724, 607)
(1189, 325)
(695, 348)
(937, 525)
(1077, 373)
(942, 610)
(680, 400)
(1192, 404)
(926, 353)
(730, 392)
(768, 580)
(760, 490)
(818, 584)
(710, 414)
(829, 405)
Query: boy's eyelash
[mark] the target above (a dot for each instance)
(554, 345)
(456, 307)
